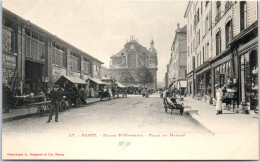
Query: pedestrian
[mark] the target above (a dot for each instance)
(113, 91)
(219, 94)
(56, 98)
(83, 95)
(165, 95)
(143, 92)
(139, 90)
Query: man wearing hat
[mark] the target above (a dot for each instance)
(219, 94)
(56, 98)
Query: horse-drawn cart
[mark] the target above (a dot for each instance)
(70, 91)
(173, 103)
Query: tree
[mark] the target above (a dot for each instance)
(144, 75)
(126, 78)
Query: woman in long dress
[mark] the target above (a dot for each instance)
(219, 94)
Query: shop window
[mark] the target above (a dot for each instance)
(218, 42)
(206, 24)
(249, 79)
(207, 2)
(203, 54)
(228, 32)
(243, 11)
(207, 51)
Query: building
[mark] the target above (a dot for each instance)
(244, 47)
(199, 47)
(222, 46)
(125, 64)
(178, 62)
(33, 58)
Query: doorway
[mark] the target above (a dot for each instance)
(33, 76)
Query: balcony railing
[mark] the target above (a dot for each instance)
(58, 57)
(34, 49)
(228, 6)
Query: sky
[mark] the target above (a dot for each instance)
(101, 28)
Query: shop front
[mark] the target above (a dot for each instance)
(182, 87)
(204, 81)
(245, 47)
(249, 79)
(190, 87)
(222, 69)
(35, 54)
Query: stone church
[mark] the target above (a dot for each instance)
(125, 64)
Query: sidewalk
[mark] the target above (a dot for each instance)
(23, 112)
(228, 122)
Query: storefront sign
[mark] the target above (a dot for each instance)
(57, 72)
(8, 75)
(75, 74)
(9, 60)
(85, 77)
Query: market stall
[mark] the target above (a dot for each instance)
(120, 89)
(70, 89)
(95, 85)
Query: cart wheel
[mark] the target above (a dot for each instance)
(78, 102)
(48, 107)
(63, 106)
(40, 110)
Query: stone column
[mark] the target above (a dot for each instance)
(68, 51)
(21, 55)
(49, 60)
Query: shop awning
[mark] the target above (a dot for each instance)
(120, 85)
(97, 81)
(182, 84)
(74, 80)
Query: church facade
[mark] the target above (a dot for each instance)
(126, 63)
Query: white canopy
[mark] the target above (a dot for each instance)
(97, 81)
(120, 85)
(182, 84)
(71, 79)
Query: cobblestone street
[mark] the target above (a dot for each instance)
(132, 114)
(135, 124)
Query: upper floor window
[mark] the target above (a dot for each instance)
(201, 8)
(206, 24)
(218, 42)
(207, 51)
(218, 12)
(228, 32)
(206, 4)
(228, 5)
(243, 15)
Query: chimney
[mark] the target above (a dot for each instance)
(178, 26)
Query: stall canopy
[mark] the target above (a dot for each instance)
(182, 84)
(74, 80)
(120, 85)
(97, 81)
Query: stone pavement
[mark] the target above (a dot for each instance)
(228, 122)
(23, 112)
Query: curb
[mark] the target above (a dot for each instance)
(35, 114)
(196, 121)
